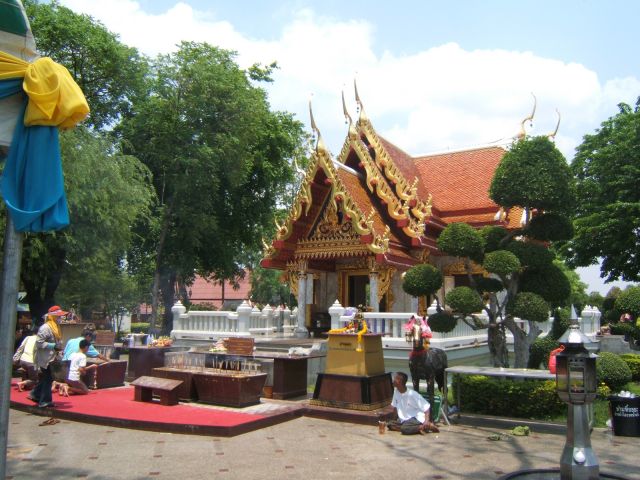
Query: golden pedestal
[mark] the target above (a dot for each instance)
(353, 380)
(344, 359)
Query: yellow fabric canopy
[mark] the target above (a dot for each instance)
(54, 97)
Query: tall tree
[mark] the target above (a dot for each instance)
(607, 222)
(524, 281)
(110, 74)
(221, 161)
(107, 192)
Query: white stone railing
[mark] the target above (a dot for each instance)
(245, 321)
(248, 321)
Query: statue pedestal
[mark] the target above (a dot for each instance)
(353, 380)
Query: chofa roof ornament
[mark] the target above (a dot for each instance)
(363, 116)
(320, 145)
(352, 129)
(523, 133)
(551, 136)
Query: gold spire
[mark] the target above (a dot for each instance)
(552, 135)
(363, 116)
(320, 146)
(523, 133)
(352, 131)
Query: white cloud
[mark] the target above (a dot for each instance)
(441, 98)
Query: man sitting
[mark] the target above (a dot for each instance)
(77, 368)
(410, 408)
(73, 346)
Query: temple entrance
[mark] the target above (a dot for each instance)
(358, 290)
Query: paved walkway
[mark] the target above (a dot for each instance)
(305, 448)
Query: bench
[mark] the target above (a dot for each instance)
(166, 388)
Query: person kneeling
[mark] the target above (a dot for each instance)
(77, 368)
(411, 409)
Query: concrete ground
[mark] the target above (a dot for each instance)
(305, 448)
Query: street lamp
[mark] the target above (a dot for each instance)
(576, 385)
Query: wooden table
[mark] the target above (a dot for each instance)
(142, 361)
(229, 389)
(109, 374)
(289, 371)
(187, 391)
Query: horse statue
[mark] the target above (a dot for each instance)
(424, 361)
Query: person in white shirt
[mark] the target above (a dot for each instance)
(410, 408)
(78, 367)
(24, 358)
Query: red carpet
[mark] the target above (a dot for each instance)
(115, 406)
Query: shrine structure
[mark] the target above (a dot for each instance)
(362, 219)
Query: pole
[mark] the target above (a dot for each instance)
(8, 303)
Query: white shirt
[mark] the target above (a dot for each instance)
(409, 404)
(78, 359)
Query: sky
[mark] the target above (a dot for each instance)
(433, 76)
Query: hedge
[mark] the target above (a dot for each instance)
(633, 360)
(521, 399)
(612, 370)
(140, 327)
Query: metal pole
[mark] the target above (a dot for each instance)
(8, 303)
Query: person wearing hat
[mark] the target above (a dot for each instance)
(48, 347)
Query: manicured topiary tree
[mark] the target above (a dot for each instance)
(422, 279)
(523, 281)
(612, 370)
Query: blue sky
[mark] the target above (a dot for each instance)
(433, 76)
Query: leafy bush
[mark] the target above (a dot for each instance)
(462, 240)
(612, 370)
(464, 300)
(501, 262)
(422, 279)
(442, 322)
(627, 329)
(529, 306)
(494, 396)
(492, 237)
(531, 255)
(633, 361)
(540, 350)
(550, 283)
(550, 227)
(140, 327)
(629, 301)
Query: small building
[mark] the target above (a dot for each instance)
(362, 219)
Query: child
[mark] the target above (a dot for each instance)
(77, 368)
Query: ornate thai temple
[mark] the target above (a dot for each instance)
(362, 219)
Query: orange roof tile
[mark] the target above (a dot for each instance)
(460, 180)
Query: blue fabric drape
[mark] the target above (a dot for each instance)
(32, 183)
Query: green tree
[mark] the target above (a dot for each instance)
(267, 287)
(110, 74)
(221, 161)
(607, 222)
(525, 282)
(107, 192)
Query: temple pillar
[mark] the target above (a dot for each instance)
(374, 301)
(301, 329)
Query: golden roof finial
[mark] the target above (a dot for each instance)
(552, 135)
(320, 146)
(363, 116)
(523, 133)
(352, 130)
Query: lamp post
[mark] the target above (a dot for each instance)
(576, 385)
